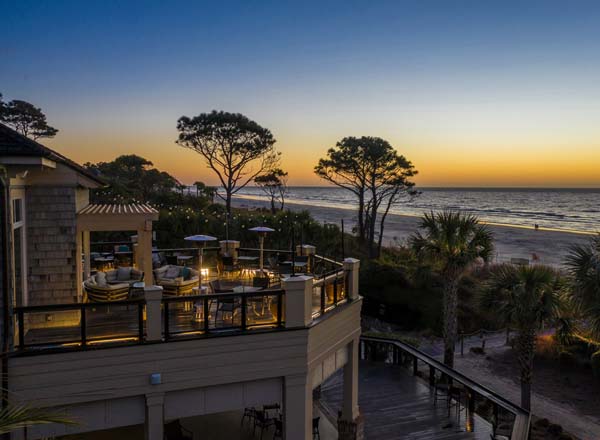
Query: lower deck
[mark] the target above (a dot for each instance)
(397, 405)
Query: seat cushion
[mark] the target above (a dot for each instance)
(123, 273)
(172, 272)
(101, 279)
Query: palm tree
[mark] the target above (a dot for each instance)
(524, 297)
(16, 416)
(453, 242)
(583, 262)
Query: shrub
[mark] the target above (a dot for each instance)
(477, 350)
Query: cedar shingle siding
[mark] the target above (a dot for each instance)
(51, 251)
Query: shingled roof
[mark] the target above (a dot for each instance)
(13, 143)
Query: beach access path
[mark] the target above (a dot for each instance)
(548, 246)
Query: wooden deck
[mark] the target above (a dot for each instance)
(397, 405)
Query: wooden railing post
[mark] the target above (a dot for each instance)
(351, 268)
(244, 306)
(298, 300)
(205, 311)
(153, 296)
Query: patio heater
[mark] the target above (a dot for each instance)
(200, 240)
(262, 233)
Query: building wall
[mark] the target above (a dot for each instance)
(51, 248)
(198, 376)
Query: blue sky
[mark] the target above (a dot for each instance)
(468, 90)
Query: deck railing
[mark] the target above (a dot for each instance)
(399, 353)
(199, 314)
(79, 325)
(330, 288)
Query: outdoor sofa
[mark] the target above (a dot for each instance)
(176, 280)
(113, 285)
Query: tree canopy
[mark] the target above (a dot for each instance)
(131, 178)
(583, 263)
(236, 148)
(25, 118)
(274, 184)
(524, 298)
(454, 242)
(373, 170)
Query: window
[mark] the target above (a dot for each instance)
(17, 210)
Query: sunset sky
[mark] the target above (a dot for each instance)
(475, 93)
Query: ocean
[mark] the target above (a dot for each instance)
(562, 209)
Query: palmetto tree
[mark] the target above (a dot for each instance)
(16, 416)
(453, 242)
(583, 262)
(524, 297)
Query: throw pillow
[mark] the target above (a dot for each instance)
(101, 279)
(172, 272)
(123, 273)
(186, 273)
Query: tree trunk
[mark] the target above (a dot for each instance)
(228, 204)
(526, 350)
(273, 209)
(361, 217)
(371, 238)
(450, 319)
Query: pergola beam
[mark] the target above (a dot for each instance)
(131, 217)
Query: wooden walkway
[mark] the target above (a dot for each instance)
(396, 405)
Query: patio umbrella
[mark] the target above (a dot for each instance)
(262, 233)
(200, 240)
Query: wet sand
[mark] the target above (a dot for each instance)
(543, 246)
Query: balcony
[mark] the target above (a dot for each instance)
(158, 317)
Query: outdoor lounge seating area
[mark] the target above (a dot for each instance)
(112, 285)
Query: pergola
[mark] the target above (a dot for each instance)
(130, 217)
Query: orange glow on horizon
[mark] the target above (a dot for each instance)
(536, 165)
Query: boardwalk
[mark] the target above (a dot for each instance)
(396, 405)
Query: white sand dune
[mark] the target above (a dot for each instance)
(549, 246)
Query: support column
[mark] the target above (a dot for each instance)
(153, 296)
(350, 403)
(298, 406)
(298, 300)
(154, 426)
(79, 264)
(144, 251)
(350, 422)
(87, 264)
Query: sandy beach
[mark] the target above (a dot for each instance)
(549, 246)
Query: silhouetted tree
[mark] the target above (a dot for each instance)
(524, 298)
(131, 178)
(583, 262)
(274, 184)
(379, 177)
(236, 148)
(26, 119)
(453, 242)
